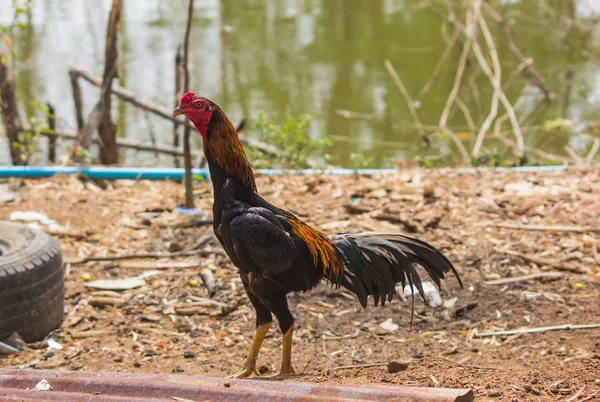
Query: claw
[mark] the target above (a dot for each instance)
(246, 372)
(286, 371)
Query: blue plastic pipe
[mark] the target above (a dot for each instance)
(176, 174)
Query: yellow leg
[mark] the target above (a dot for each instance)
(250, 363)
(286, 353)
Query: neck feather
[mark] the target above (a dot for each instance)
(224, 148)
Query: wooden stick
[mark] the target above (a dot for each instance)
(543, 228)
(137, 256)
(76, 90)
(561, 266)
(10, 114)
(107, 130)
(187, 158)
(539, 329)
(51, 138)
(160, 110)
(122, 142)
(524, 278)
(404, 92)
(178, 61)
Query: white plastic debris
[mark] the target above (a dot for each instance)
(32, 216)
(448, 304)
(431, 293)
(53, 345)
(388, 325)
(116, 284)
(43, 386)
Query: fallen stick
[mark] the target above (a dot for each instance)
(543, 228)
(561, 266)
(136, 256)
(538, 329)
(209, 281)
(524, 278)
(359, 366)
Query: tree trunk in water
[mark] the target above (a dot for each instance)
(10, 115)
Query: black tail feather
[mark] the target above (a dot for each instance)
(375, 262)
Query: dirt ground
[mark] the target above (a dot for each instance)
(172, 325)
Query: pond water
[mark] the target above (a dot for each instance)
(323, 57)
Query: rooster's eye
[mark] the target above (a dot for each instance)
(199, 105)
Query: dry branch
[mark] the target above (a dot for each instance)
(404, 92)
(187, 158)
(107, 130)
(524, 278)
(10, 114)
(51, 138)
(540, 329)
(160, 110)
(121, 142)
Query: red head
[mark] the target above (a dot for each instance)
(198, 110)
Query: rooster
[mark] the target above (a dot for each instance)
(276, 253)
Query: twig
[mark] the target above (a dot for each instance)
(459, 74)
(136, 256)
(496, 84)
(357, 366)
(467, 113)
(524, 278)
(543, 228)
(440, 63)
(462, 365)
(187, 158)
(51, 138)
(538, 329)
(595, 147)
(561, 266)
(529, 71)
(404, 92)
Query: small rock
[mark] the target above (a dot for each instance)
(385, 380)
(48, 355)
(418, 355)
(118, 359)
(597, 382)
(227, 384)
(137, 364)
(388, 325)
(178, 369)
(43, 386)
(189, 355)
(492, 393)
(195, 333)
(176, 246)
(395, 367)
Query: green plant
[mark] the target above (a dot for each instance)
(291, 139)
(359, 160)
(29, 137)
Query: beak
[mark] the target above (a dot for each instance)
(177, 112)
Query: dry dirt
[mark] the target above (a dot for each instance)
(145, 329)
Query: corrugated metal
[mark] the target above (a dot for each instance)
(17, 385)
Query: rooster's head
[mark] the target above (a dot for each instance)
(199, 110)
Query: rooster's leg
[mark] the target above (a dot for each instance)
(286, 353)
(250, 363)
(263, 323)
(286, 324)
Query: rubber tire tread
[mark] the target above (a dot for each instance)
(31, 282)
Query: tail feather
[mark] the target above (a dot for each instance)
(375, 262)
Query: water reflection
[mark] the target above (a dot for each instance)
(318, 56)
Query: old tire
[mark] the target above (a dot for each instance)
(31, 282)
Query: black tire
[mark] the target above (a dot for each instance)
(31, 282)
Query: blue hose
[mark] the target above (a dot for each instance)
(176, 174)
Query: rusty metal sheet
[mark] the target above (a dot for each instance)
(17, 385)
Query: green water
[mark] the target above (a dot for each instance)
(323, 57)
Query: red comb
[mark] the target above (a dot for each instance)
(186, 98)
